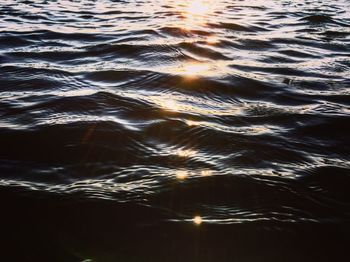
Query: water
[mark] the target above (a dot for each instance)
(175, 130)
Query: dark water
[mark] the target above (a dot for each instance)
(175, 130)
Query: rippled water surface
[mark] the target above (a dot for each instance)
(203, 130)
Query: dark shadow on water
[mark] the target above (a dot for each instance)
(40, 227)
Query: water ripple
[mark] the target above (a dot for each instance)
(215, 114)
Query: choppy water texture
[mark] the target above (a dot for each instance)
(175, 130)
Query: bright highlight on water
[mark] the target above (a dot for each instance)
(191, 130)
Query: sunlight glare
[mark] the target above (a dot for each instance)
(212, 40)
(206, 172)
(196, 12)
(186, 152)
(170, 105)
(197, 220)
(192, 123)
(181, 174)
(198, 7)
(193, 69)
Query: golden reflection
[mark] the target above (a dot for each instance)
(206, 173)
(197, 220)
(196, 12)
(260, 129)
(196, 105)
(186, 152)
(212, 40)
(170, 104)
(194, 69)
(192, 123)
(198, 7)
(181, 174)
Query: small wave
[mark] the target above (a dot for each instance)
(129, 125)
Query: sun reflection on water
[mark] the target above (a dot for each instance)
(194, 69)
(192, 123)
(196, 12)
(197, 220)
(206, 173)
(186, 152)
(212, 40)
(170, 104)
(198, 7)
(181, 174)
